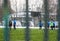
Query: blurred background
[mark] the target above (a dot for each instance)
(17, 9)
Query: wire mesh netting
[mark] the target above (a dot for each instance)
(30, 20)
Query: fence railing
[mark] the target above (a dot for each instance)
(27, 31)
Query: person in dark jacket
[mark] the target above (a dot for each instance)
(10, 24)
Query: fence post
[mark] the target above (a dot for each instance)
(58, 18)
(27, 38)
(46, 20)
(5, 18)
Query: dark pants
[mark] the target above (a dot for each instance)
(52, 27)
(40, 27)
(14, 26)
(10, 26)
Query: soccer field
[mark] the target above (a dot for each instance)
(35, 35)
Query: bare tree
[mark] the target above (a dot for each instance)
(10, 9)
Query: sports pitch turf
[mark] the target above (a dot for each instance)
(35, 35)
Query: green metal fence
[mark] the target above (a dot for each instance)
(27, 30)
